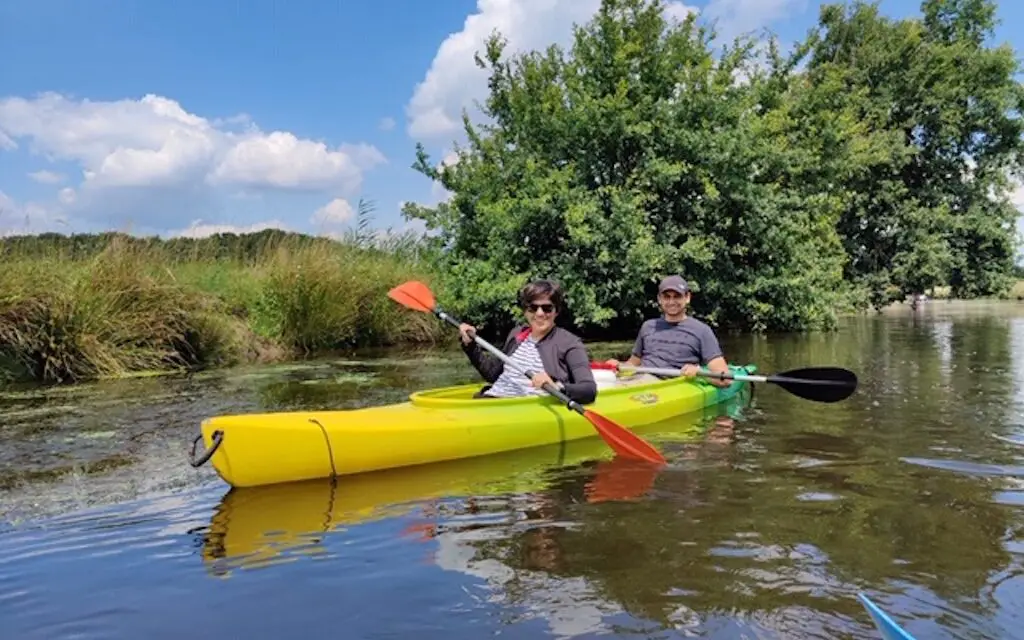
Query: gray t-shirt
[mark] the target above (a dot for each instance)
(672, 344)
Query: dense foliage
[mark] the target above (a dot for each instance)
(86, 306)
(871, 162)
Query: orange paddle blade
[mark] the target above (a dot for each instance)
(624, 442)
(620, 479)
(415, 295)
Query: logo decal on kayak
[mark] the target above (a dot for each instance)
(644, 398)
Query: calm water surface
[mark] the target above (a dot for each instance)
(773, 513)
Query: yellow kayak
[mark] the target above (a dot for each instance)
(259, 526)
(432, 426)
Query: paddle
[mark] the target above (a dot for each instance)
(820, 384)
(883, 622)
(418, 296)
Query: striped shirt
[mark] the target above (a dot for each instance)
(512, 382)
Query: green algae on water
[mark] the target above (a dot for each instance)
(348, 378)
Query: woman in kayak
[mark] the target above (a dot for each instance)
(552, 353)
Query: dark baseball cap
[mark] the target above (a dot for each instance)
(674, 283)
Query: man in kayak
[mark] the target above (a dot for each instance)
(675, 340)
(552, 353)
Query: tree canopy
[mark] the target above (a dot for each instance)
(872, 161)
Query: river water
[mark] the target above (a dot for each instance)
(773, 513)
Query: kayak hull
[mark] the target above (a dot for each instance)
(432, 426)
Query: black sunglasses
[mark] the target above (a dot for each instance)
(546, 308)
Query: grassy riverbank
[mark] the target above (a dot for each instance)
(81, 307)
(142, 306)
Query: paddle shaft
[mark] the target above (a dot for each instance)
(730, 376)
(707, 374)
(499, 354)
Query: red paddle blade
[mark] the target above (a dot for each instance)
(624, 442)
(620, 479)
(414, 295)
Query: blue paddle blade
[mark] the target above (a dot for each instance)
(886, 625)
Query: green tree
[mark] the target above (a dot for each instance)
(635, 154)
(940, 110)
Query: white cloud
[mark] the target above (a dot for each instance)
(11, 218)
(280, 160)
(736, 17)
(386, 124)
(679, 11)
(24, 218)
(337, 211)
(454, 82)
(47, 177)
(7, 205)
(198, 229)
(155, 159)
(1017, 195)
(437, 190)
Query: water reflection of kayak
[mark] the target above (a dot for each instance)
(432, 426)
(256, 525)
(886, 625)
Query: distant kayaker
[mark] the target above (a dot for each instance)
(554, 354)
(675, 340)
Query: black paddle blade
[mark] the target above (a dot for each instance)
(821, 384)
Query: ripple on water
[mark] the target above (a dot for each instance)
(137, 571)
(970, 468)
(817, 496)
(155, 568)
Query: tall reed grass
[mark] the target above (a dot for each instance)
(138, 306)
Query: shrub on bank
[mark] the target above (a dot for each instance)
(132, 308)
(322, 297)
(108, 316)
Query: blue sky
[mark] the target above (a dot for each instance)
(193, 117)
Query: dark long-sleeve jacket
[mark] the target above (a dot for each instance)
(564, 356)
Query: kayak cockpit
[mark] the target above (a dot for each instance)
(462, 396)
